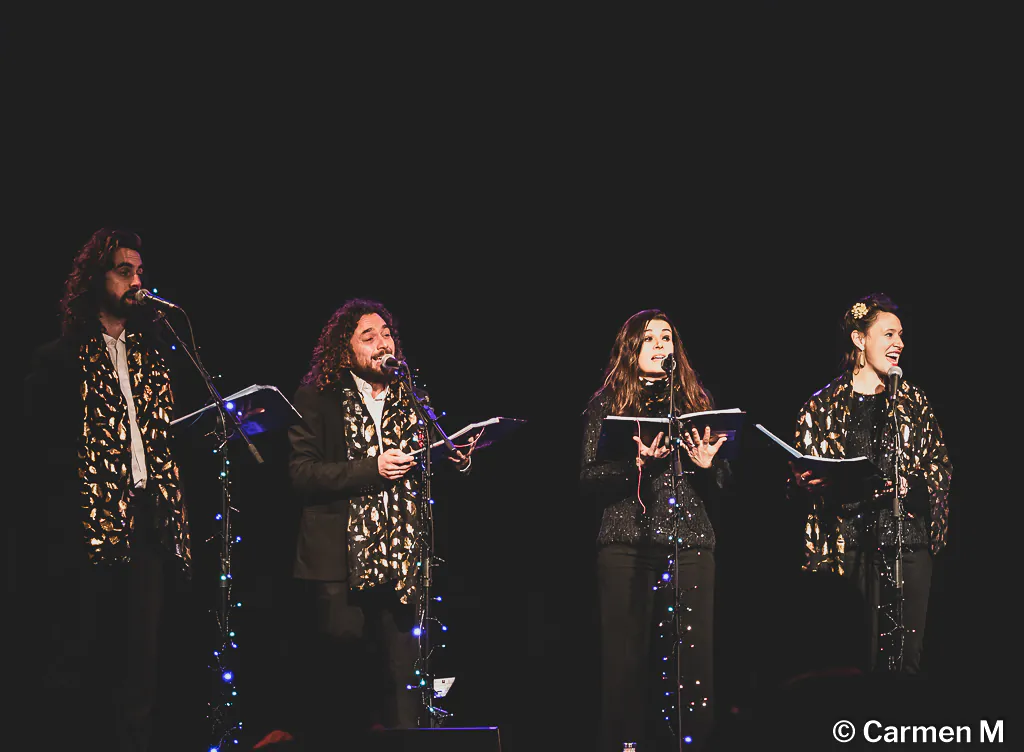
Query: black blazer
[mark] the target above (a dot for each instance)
(53, 425)
(325, 481)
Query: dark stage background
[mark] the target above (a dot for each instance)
(522, 329)
(511, 214)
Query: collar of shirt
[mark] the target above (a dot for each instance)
(366, 389)
(110, 340)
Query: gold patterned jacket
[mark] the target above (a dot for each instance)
(79, 419)
(820, 432)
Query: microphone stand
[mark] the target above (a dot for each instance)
(675, 444)
(222, 724)
(428, 418)
(222, 411)
(897, 512)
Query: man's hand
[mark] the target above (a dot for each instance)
(462, 459)
(394, 463)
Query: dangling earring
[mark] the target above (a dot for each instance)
(861, 360)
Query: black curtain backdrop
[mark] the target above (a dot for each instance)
(511, 231)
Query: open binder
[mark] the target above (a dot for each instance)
(844, 471)
(259, 408)
(617, 431)
(486, 432)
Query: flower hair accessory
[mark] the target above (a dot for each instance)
(859, 310)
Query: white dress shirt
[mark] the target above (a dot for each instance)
(374, 404)
(118, 351)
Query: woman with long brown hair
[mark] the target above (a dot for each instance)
(654, 529)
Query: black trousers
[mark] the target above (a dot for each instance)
(637, 684)
(359, 661)
(866, 568)
(99, 643)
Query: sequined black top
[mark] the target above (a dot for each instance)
(635, 505)
(867, 523)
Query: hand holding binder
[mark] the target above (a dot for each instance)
(474, 436)
(849, 472)
(618, 432)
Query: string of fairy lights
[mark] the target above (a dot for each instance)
(222, 709)
(423, 675)
(674, 631)
(223, 712)
(891, 627)
(424, 679)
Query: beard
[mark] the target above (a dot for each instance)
(372, 375)
(123, 307)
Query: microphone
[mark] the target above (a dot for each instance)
(145, 296)
(668, 364)
(894, 374)
(390, 364)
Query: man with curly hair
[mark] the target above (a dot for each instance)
(359, 546)
(114, 526)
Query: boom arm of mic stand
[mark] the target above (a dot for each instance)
(213, 390)
(427, 415)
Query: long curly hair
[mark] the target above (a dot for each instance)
(622, 374)
(83, 289)
(332, 356)
(859, 316)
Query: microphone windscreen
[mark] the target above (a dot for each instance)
(390, 363)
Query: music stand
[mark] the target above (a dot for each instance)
(485, 433)
(254, 410)
(259, 408)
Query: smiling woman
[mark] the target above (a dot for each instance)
(876, 335)
(880, 538)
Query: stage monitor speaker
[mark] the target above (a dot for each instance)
(472, 739)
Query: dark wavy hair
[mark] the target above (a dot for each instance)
(622, 374)
(873, 304)
(332, 355)
(80, 306)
